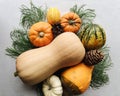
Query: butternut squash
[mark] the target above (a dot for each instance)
(76, 79)
(36, 65)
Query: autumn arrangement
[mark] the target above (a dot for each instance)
(60, 54)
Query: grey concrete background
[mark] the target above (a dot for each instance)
(108, 13)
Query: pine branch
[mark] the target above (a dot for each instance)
(32, 15)
(20, 43)
(100, 76)
(39, 89)
(87, 15)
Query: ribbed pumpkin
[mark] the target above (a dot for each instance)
(53, 16)
(40, 34)
(71, 22)
(93, 37)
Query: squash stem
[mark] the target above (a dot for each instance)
(16, 74)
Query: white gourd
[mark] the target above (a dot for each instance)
(52, 86)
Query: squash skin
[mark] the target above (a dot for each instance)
(76, 79)
(93, 37)
(36, 65)
(53, 16)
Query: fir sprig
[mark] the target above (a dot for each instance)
(32, 15)
(87, 15)
(20, 43)
(100, 76)
(20, 40)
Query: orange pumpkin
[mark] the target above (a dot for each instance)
(40, 34)
(71, 22)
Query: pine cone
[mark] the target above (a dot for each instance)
(57, 29)
(93, 57)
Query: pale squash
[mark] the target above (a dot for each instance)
(36, 65)
(76, 79)
(52, 86)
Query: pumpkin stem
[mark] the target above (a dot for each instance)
(41, 34)
(71, 22)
